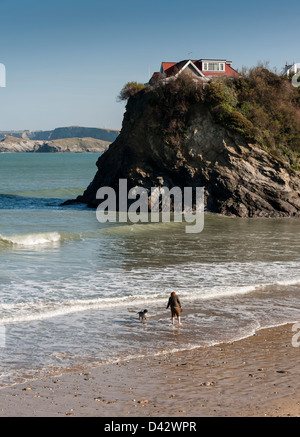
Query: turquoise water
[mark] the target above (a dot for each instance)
(70, 287)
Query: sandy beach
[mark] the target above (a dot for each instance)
(256, 376)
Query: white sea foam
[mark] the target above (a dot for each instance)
(31, 239)
(138, 287)
(294, 281)
(41, 238)
(32, 311)
(21, 312)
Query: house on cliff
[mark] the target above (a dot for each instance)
(202, 69)
(290, 69)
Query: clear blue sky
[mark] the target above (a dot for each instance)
(66, 60)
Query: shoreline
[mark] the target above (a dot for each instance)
(255, 376)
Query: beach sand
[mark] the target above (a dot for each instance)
(255, 376)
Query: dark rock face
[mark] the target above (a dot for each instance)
(239, 178)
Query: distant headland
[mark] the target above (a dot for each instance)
(62, 139)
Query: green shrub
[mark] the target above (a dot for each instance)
(130, 89)
(239, 121)
(220, 91)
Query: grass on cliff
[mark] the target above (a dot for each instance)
(260, 105)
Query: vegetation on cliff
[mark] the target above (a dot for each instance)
(260, 105)
(130, 89)
(264, 107)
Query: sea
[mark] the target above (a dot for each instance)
(71, 287)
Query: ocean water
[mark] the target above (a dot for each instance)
(71, 287)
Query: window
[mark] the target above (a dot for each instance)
(213, 66)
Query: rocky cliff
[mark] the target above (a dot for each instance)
(75, 145)
(179, 143)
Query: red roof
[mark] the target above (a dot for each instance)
(155, 75)
(167, 65)
(171, 68)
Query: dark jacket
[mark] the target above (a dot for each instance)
(174, 302)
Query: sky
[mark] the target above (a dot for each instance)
(67, 60)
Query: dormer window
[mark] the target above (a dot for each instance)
(213, 66)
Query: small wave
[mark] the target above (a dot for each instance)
(32, 311)
(139, 228)
(137, 288)
(41, 238)
(31, 239)
(294, 281)
(221, 292)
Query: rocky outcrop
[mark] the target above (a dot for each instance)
(239, 178)
(75, 145)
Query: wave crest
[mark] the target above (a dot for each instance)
(28, 240)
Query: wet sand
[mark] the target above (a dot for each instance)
(256, 376)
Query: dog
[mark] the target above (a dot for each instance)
(143, 315)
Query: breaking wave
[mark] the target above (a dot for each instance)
(36, 239)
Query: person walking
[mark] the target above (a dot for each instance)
(175, 305)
